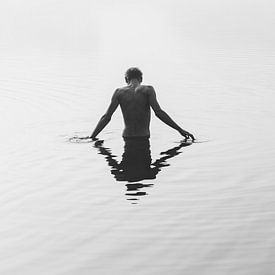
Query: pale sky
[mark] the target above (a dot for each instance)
(91, 25)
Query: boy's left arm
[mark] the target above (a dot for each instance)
(105, 119)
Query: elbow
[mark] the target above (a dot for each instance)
(158, 112)
(106, 117)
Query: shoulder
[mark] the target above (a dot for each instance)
(121, 90)
(118, 91)
(149, 89)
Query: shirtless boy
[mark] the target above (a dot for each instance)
(135, 101)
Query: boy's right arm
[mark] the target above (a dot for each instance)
(163, 116)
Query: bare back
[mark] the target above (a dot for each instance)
(135, 107)
(135, 101)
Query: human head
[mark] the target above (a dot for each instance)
(133, 73)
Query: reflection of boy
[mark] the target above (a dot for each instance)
(136, 164)
(136, 161)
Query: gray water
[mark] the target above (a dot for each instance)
(210, 210)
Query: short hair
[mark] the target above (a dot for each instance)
(133, 73)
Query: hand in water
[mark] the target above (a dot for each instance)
(98, 142)
(77, 139)
(187, 135)
(89, 137)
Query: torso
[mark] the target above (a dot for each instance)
(135, 108)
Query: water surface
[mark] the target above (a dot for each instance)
(210, 207)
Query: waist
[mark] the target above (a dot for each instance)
(136, 138)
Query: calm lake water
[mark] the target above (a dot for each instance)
(210, 209)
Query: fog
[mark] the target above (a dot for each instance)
(81, 25)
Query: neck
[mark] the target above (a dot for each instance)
(134, 82)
